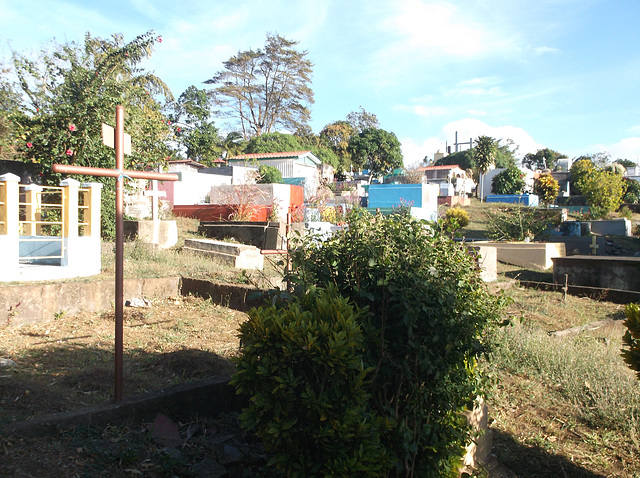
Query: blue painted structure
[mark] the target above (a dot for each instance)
(526, 199)
(421, 198)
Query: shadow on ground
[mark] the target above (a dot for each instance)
(534, 462)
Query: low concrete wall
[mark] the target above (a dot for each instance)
(527, 254)
(609, 272)
(24, 304)
(162, 233)
(614, 227)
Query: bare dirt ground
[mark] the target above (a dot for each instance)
(67, 363)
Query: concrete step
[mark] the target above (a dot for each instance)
(240, 256)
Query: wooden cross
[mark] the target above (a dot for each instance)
(119, 144)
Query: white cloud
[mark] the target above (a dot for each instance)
(414, 153)
(543, 50)
(628, 148)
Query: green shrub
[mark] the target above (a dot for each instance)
(509, 181)
(547, 188)
(633, 191)
(515, 223)
(269, 175)
(428, 309)
(455, 218)
(302, 367)
(631, 338)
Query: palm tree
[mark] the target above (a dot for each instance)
(233, 145)
(484, 155)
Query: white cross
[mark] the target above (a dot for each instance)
(594, 246)
(154, 194)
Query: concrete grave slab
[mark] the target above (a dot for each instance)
(240, 256)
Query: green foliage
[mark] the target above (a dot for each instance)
(631, 338)
(428, 309)
(455, 218)
(69, 93)
(547, 188)
(604, 191)
(194, 131)
(273, 143)
(269, 175)
(376, 150)
(465, 159)
(302, 366)
(336, 136)
(9, 102)
(542, 159)
(509, 181)
(581, 171)
(633, 191)
(515, 223)
(484, 153)
(265, 89)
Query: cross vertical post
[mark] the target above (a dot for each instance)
(119, 142)
(119, 147)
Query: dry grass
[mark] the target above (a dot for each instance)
(67, 363)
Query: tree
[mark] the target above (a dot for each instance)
(604, 192)
(69, 93)
(336, 136)
(233, 145)
(465, 159)
(542, 159)
(626, 163)
(509, 181)
(266, 88)
(361, 120)
(273, 143)
(9, 103)
(376, 150)
(505, 156)
(484, 154)
(581, 171)
(194, 131)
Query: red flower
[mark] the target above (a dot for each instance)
(72, 127)
(168, 122)
(178, 129)
(29, 145)
(69, 152)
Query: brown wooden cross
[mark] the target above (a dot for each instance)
(119, 144)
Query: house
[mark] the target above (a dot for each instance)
(300, 168)
(197, 180)
(446, 175)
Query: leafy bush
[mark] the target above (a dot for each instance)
(631, 338)
(633, 191)
(427, 310)
(302, 366)
(581, 171)
(269, 175)
(604, 192)
(509, 181)
(547, 188)
(455, 218)
(515, 223)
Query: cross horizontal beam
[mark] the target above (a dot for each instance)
(114, 173)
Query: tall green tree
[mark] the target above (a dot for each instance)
(376, 150)
(194, 131)
(70, 92)
(265, 89)
(484, 155)
(273, 143)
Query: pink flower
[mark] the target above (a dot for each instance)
(29, 145)
(159, 39)
(72, 127)
(69, 152)
(168, 122)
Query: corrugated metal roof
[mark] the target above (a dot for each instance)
(284, 154)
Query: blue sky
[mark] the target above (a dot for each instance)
(562, 74)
